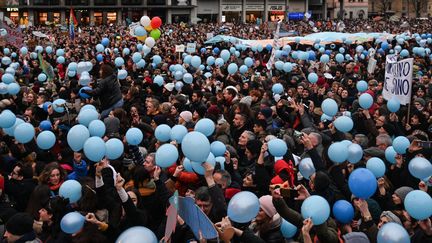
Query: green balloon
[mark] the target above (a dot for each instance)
(155, 34)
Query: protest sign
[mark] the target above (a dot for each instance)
(398, 79)
(191, 47)
(179, 48)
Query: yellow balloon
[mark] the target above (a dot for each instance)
(148, 28)
(141, 38)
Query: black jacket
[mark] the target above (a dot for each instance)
(19, 191)
(108, 91)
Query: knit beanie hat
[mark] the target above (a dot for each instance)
(267, 112)
(254, 146)
(356, 237)
(20, 224)
(266, 205)
(402, 192)
(322, 181)
(391, 217)
(186, 115)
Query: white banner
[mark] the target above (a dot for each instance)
(398, 79)
(191, 47)
(179, 48)
(276, 46)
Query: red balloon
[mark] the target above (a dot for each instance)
(156, 22)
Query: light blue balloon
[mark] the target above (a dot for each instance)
(140, 47)
(237, 54)
(3, 88)
(48, 49)
(243, 69)
(260, 48)
(77, 136)
(287, 67)
(136, 57)
(248, 62)
(71, 189)
(313, 77)
(306, 168)
(219, 62)
(420, 167)
(140, 31)
(10, 70)
(362, 86)
(196, 61)
(325, 58)
(178, 75)
(99, 48)
(122, 74)
(94, 148)
(157, 59)
(187, 59)
(279, 65)
(188, 78)
(317, 208)
(404, 53)
(342, 50)
(355, 153)
(288, 230)
(418, 204)
(393, 104)
(277, 88)
(232, 68)
(146, 50)
(338, 152)
(33, 55)
(196, 146)
(7, 119)
(46, 140)
(178, 132)
(359, 49)
(158, 80)
(340, 58)
(166, 155)
(59, 52)
(134, 136)
(114, 148)
(366, 101)
(97, 128)
(303, 55)
(393, 233)
(72, 222)
(329, 107)
(277, 147)
(119, 61)
(362, 183)
(210, 60)
(401, 144)
(187, 164)
(233, 50)
(137, 234)
(71, 73)
(287, 48)
(24, 133)
(126, 51)
(42, 77)
(141, 63)
(376, 166)
(10, 131)
(344, 124)
(218, 148)
(13, 88)
(390, 154)
(205, 126)
(225, 55)
(87, 116)
(179, 85)
(243, 207)
(221, 161)
(61, 59)
(325, 118)
(163, 133)
(73, 66)
(24, 50)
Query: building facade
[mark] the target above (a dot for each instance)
(401, 8)
(352, 9)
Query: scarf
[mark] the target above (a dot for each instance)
(56, 187)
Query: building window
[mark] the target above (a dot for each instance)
(98, 18)
(390, 6)
(105, 2)
(131, 2)
(56, 18)
(14, 16)
(112, 17)
(43, 17)
(77, 2)
(156, 2)
(46, 2)
(351, 15)
(180, 2)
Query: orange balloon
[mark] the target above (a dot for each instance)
(141, 38)
(148, 28)
(156, 22)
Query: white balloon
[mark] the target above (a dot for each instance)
(81, 67)
(145, 21)
(150, 42)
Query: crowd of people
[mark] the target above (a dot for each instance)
(133, 190)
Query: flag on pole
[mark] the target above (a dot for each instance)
(46, 67)
(72, 23)
(276, 46)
